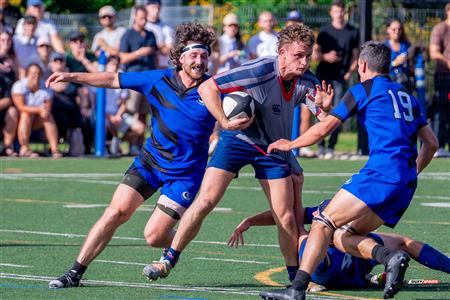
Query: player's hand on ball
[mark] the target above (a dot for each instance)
(238, 234)
(280, 145)
(324, 96)
(237, 124)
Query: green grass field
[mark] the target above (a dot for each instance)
(47, 207)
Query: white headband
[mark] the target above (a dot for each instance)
(192, 47)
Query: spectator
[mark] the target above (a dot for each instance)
(8, 64)
(65, 109)
(294, 17)
(213, 61)
(399, 45)
(337, 52)
(45, 27)
(163, 32)
(42, 56)
(109, 37)
(121, 125)
(25, 45)
(9, 118)
(11, 14)
(34, 103)
(138, 53)
(79, 59)
(230, 44)
(440, 52)
(3, 25)
(264, 43)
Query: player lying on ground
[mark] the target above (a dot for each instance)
(277, 84)
(175, 155)
(339, 270)
(383, 189)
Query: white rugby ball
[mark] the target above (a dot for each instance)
(238, 105)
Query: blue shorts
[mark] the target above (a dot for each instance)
(231, 154)
(180, 188)
(388, 198)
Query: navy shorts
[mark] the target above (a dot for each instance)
(387, 197)
(231, 154)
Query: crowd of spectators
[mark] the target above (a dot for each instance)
(31, 49)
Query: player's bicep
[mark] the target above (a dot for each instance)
(346, 108)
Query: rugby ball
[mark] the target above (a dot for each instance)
(238, 105)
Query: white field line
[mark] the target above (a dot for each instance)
(233, 260)
(436, 204)
(142, 208)
(168, 287)
(118, 262)
(71, 235)
(13, 265)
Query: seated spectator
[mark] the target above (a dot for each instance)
(264, 43)
(109, 37)
(45, 27)
(79, 59)
(398, 43)
(230, 44)
(9, 118)
(120, 124)
(42, 57)
(11, 13)
(65, 108)
(8, 64)
(34, 103)
(25, 45)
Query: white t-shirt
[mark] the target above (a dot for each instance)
(112, 38)
(45, 28)
(113, 97)
(164, 36)
(32, 99)
(263, 44)
(226, 45)
(25, 49)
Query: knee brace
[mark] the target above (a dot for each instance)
(325, 220)
(348, 228)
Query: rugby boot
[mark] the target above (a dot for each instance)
(286, 294)
(159, 269)
(395, 273)
(69, 279)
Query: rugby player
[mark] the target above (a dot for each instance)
(277, 84)
(339, 270)
(175, 155)
(381, 192)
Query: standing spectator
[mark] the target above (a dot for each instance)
(79, 59)
(294, 17)
(3, 25)
(8, 63)
(337, 51)
(25, 45)
(9, 118)
(109, 38)
(138, 53)
(398, 43)
(440, 52)
(11, 14)
(163, 32)
(34, 103)
(45, 27)
(42, 56)
(213, 61)
(230, 44)
(65, 109)
(264, 43)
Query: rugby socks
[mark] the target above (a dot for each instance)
(292, 271)
(382, 254)
(301, 280)
(172, 256)
(78, 268)
(434, 259)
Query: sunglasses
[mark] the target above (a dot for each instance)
(106, 16)
(44, 45)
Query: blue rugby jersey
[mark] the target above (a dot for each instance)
(181, 123)
(392, 118)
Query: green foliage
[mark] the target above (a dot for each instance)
(83, 6)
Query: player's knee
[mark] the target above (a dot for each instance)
(154, 239)
(116, 216)
(322, 219)
(204, 205)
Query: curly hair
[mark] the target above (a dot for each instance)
(192, 31)
(295, 33)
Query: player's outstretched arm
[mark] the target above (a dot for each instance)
(429, 147)
(262, 219)
(99, 79)
(310, 137)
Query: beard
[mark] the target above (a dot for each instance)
(195, 71)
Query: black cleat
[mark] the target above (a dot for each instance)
(286, 294)
(70, 279)
(395, 273)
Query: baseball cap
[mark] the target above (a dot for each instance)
(43, 40)
(294, 15)
(107, 10)
(56, 55)
(35, 3)
(230, 19)
(76, 35)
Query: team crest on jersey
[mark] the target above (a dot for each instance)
(186, 196)
(348, 181)
(346, 262)
(200, 101)
(276, 109)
